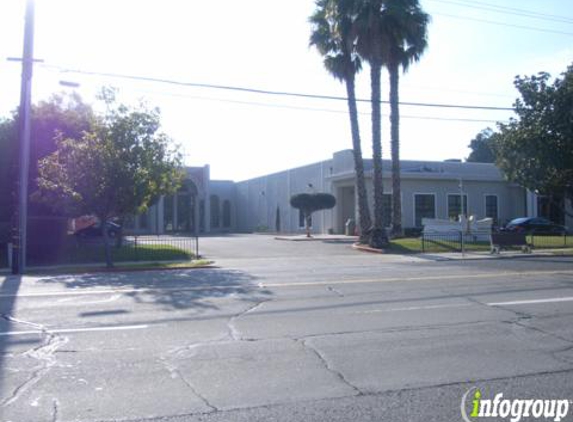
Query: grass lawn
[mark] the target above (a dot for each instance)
(414, 244)
(73, 252)
(542, 242)
(143, 252)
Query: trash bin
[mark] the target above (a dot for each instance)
(350, 227)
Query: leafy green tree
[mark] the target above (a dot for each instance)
(335, 37)
(8, 168)
(536, 149)
(405, 35)
(482, 147)
(369, 24)
(64, 114)
(118, 168)
(308, 203)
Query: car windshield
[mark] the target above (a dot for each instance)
(518, 221)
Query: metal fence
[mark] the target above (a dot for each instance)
(456, 241)
(74, 250)
(550, 241)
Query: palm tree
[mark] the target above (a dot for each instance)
(370, 46)
(333, 34)
(404, 26)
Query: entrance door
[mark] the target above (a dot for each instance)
(346, 206)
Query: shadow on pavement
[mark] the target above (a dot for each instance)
(173, 290)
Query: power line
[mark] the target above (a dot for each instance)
(508, 10)
(264, 92)
(531, 28)
(325, 110)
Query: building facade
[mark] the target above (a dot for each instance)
(429, 190)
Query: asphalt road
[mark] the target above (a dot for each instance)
(287, 331)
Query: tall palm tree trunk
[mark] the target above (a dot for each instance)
(395, 146)
(364, 221)
(378, 237)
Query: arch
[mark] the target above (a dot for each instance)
(188, 187)
(179, 208)
(226, 214)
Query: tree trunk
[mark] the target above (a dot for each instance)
(106, 245)
(364, 221)
(395, 140)
(378, 237)
(307, 224)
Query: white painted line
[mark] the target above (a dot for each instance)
(426, 278)
(533, 301)
(416, 308)
(119, 291)
(462, 305)
(77, 330)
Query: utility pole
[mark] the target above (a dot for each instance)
(19, 261)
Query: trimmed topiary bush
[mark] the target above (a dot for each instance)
(308, 203)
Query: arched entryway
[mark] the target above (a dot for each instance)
(180, 210)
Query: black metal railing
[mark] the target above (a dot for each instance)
(549, 241)
(454, 241)
(75, 250)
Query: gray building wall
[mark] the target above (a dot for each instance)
(222, 194)
(252, 205)
(258, 199)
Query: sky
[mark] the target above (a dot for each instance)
(476, 48)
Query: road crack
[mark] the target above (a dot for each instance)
(45, 355)
(55, 410)
(305, 344)
(234, 334)
(176, 373)
(335, 291)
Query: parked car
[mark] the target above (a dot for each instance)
(534, 225)
(95, 230)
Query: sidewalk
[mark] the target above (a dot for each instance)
(319, 237)
(456, 256)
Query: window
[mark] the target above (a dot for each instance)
(168, 213)
(226, 213)
(424, 207)
(143, 220)
(387, 209)
(202, 216)
(491, 210)
(214, 203)
(301, 222)
(454, 207)
(183, 211)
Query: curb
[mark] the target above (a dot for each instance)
(303, 238)
(99, 270)
(366, 248)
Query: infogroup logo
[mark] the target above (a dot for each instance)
(514, 409)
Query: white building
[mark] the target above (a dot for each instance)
(429, 189)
